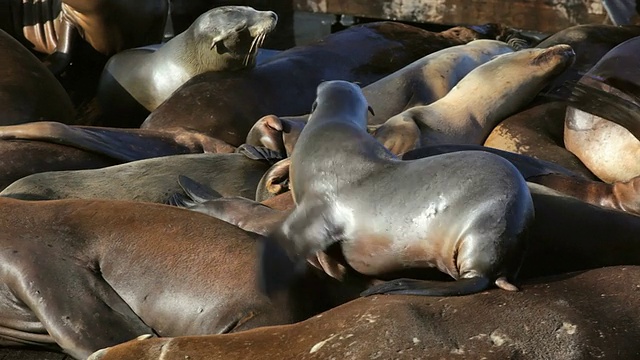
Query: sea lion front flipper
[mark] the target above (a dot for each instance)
(399, 134)
(261, 153)
(179, 200)
(198, 192)
(403, 286)
(607, 106)
(69, 298)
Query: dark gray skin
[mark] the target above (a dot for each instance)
(485, 215)
(28, 90)
(97, 273)
(226, 105)
(151, 180)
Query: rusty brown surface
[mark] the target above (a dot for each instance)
(540, 15)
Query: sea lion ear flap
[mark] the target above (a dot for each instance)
(220, 36)
(371, 110)
(313, 107)
(275, 181)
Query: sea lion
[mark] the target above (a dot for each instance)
(483, 242)
(119, 144)
(151, 180)
(575, 316)
(609, 150)
(419, 83)
(538, 132)
(468, 113)
(28, 90)
(222, 39)
(198, 278)
(226, 105)
(22, 158)
(590, 42)
(184, 13)
(429, 78)
(108, 26)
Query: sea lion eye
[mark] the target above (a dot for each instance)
(314, 106)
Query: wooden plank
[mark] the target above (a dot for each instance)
(540, 15)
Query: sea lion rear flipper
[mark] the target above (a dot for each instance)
(430, 288)
(607, 106)
(198, 192)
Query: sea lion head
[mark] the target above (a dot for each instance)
(341, 97)
(234, 32)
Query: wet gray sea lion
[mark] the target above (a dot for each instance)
(474, 231)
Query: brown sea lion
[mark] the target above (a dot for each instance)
(538, 132)
(151, 180)
(20, 158)
(577, 316)
(590, 42)
(124, 269)
(608, 149)
(28, 90)
(109, 26)
(468, 113)
(119, 144)
(474, 232)
(222, 39)
(226, 105)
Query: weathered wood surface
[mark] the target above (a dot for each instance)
(540, 15)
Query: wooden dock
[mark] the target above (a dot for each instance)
(538, 15)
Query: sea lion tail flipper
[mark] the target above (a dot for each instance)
(607, 106)
(404, 286)
(198, 192)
